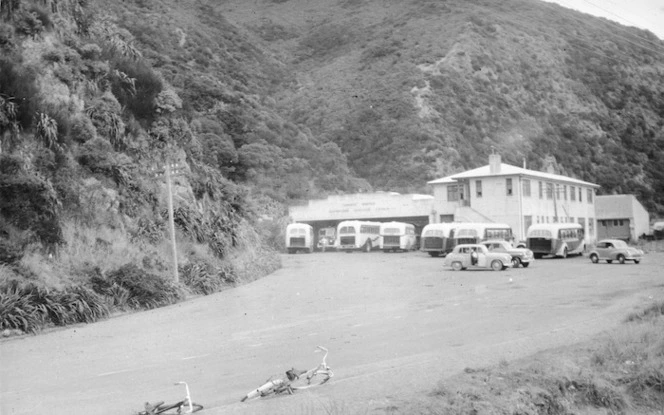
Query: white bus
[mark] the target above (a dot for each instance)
(558, 239)
(397, 236)
(438, 238)
(353, 235)
(299, 237)
(474, 233)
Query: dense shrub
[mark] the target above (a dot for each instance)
(29, 307)
(147, 83)
(9, 252)
(27, 201)
(82, 129)
(104, 112)
(28, 23)
(6, 36)
(98, 156)
(18, 84)
(141, 289)
(202, 278)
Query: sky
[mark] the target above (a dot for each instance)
(645, 14)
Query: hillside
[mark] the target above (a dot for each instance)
(416, 90)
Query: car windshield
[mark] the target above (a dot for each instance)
(619, 244)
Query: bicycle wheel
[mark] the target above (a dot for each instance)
(179, 408)
(314, 379)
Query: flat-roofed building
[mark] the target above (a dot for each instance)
(621, 217)
(374, 206)
(520, 197)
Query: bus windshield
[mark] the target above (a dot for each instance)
(347, 230)
(540, 233)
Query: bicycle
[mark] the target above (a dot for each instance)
(295, 380)
(185, 406)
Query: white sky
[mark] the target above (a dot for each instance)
(645, 14)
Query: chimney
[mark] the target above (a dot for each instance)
(494, 163)
(550, 164)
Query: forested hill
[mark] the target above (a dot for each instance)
(269, 102)
(415, 90)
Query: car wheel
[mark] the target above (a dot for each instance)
(621, 259)
(496, 265)
(594, 258)
(516, 262)
(457, 266)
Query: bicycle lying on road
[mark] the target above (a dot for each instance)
(295, 380)
(185, 406)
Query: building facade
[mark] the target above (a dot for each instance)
(621, 217)
(500, 192)
(377, 206)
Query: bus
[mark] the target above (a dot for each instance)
(397, 236)
(299, 237)
(558, 239)
(474, 233)
(438, 238)
(354, 235)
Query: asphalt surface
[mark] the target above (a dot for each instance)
(395, 324)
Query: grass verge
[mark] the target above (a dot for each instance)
(620, 372)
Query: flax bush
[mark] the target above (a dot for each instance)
(29, 306)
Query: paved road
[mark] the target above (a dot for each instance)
(395, 324)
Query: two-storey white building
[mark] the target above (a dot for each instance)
(500, 192)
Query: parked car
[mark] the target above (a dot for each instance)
(615, 250)
(477, 256)
(520, 256)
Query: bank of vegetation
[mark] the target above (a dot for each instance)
(619, 372)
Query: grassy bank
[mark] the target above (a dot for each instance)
(104, 271)
(620, 372)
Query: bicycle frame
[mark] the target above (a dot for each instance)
(321, 369)
(159, 407)
(280, 385)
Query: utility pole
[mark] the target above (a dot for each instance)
(168, 170)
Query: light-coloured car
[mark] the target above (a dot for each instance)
(462, 255)
(520, 256)
(611, 250)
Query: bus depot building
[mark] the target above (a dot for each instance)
(519, 197)
(375, 206)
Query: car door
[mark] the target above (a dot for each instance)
(481, 256)
(602, 250)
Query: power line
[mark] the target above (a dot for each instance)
(621, 27)
(593, 23)
(642, 17)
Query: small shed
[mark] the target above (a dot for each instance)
(621, 217)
